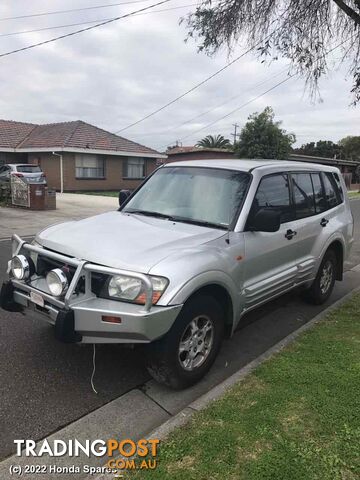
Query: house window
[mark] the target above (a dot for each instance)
(89, 166)
(134, 168)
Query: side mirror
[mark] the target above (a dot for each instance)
(265, 221)
(123, 196)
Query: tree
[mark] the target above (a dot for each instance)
(301, 31)
(351, 148)
(322, 148)
(262, 137)
(217, 141)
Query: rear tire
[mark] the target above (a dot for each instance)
(324, 282)
(186, 353)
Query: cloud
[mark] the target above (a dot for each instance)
(116, 74)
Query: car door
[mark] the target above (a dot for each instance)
(270, 263)
(309, 206)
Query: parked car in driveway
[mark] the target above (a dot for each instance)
(198, 245)
(27, 172)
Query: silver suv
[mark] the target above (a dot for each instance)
(198, 245)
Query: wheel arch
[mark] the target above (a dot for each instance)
(223, 297)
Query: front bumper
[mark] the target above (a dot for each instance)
(79, 317)
(82, 322)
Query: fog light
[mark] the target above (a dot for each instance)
(57, 282)
(21, 267)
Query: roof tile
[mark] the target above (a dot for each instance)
(77, 134)
(13, 133)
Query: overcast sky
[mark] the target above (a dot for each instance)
(116, 74)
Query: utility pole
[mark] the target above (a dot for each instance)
(235, 134)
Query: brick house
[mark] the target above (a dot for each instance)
(78, 156)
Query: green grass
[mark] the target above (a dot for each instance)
(354, 194)
(104, 194)
(297, 417)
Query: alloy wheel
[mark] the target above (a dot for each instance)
(196, 342)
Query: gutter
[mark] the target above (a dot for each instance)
(119, 153)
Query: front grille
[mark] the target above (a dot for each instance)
(98, 282)
(45, 264)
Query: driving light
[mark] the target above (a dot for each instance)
(57, 282)
(21, 267)
(132, 289)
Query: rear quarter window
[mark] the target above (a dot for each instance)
(339, 186)
(332, 195)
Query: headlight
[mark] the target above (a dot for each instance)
(132, 289)
(22, 267)
(57, 282)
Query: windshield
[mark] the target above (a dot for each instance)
(192, 194)
(28, 168)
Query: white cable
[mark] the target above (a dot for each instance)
(94, 369)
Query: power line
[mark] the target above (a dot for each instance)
(240, 107)
(54, 27)
(57, 12)
(231, 99)
(83, 29)
(257, 97)
(195, 87)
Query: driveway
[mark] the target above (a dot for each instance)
(70, 206)
(45, 384)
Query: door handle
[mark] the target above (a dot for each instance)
(324, 222)
(290, 234)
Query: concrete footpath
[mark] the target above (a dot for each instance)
(70, 206)
(152, 411)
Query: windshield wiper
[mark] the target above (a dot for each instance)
(201, 223)
(175, 218)
(148, 213)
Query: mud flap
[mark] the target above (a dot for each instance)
(65, 327)
(7, 298)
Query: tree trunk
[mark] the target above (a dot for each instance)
(348, 10)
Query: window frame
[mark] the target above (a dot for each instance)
(292, 211)
(126, 168)
(98, 157)
(290, 173)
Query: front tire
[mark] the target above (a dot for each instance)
(186, 353)
(324, 282)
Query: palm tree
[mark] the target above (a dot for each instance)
(217, 141)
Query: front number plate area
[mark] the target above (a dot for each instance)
(37, 299)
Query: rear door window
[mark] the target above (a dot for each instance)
(274, 194)
(320, 202)
(303, 195)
